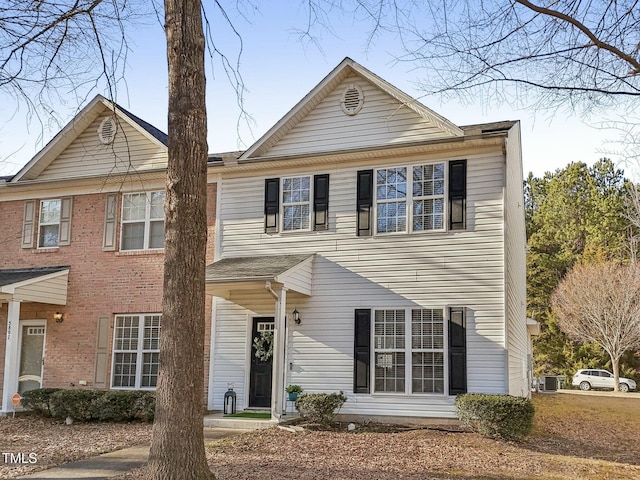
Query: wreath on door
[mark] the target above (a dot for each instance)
(264, 346)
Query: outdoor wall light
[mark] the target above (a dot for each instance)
(296, 316)
(58, 317)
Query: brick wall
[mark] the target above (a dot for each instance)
(100, 283)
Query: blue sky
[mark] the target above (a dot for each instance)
(279, 68)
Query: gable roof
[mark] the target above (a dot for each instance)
(324, 88)
(76, 126)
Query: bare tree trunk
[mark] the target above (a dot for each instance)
(177, 449)
(615, 366)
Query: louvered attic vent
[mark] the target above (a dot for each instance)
(107, 130)
(352, 100)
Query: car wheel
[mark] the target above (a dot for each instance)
(624, 387)
(585, 386)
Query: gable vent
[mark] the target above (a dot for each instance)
(352, 100)
(107, 130)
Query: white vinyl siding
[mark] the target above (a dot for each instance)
(428, 271)
(519, 370)
(142, 221)
(136, 348)
(130, 152)
(383, 120)
(49, 223)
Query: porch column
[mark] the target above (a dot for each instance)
(11, 365)
(277, 382)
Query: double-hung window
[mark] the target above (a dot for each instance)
(411, 197)
(427, 351)
(389, 343)
(391, 199)
(136, 348)
(142, 221)
(296, 200)
(428, 197)
(409, 351)
(296, 204)
(49, 223)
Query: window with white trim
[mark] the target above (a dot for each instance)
(136, 349)
(142, 221)
(428, 197)
(421, 349)
(415, 203)
(49, 223)
(391, 199)
(389, 350)
(296, 202)
(427, 351)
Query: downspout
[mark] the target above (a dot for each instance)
(267, 285)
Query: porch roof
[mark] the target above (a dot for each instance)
(40, 284)
(291, 271)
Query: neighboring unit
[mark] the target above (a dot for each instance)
(81, 257)
(364, 244)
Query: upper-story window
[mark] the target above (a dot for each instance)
(428, 197)
(142, 221)
(49, 223)
(302, 203)
(412, 198)
(391, 199)
(420, 197)
(296, 197)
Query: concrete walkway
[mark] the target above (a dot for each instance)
(115, 463)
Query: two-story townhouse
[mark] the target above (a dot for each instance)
(369, 245)
(81, 257)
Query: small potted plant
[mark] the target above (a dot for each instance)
(293, 391)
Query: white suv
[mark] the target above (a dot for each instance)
(591, 378)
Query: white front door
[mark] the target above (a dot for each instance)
(32, 335)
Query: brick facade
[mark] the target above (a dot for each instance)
(101, 283)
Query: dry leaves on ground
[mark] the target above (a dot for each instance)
(52, 442)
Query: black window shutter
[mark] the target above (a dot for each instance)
(457, 194)
(271, 204)
(364, 202)
(362, 351)
(321, 202)
(457, 351)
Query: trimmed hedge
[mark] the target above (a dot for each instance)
(39, 400)
(91, 405)
(320, 407)
(496, 416)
